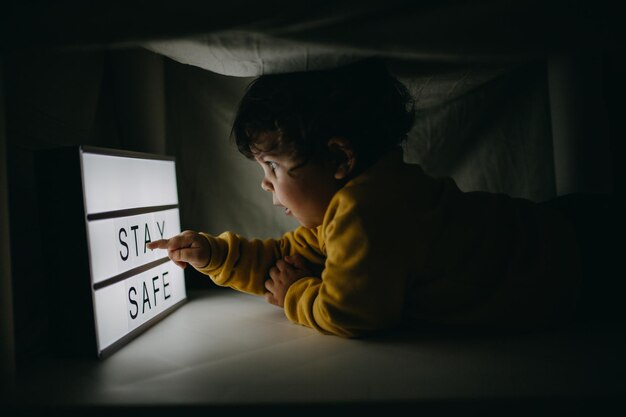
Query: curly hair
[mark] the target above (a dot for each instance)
(361, 102)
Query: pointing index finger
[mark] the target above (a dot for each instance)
(158, 244)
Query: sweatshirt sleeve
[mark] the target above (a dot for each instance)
(243, 264)
(362, 286)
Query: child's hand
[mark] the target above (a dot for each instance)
(189, 247)
(282, 275)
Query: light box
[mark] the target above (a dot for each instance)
(99, 209)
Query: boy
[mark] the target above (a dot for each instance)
(381, 244)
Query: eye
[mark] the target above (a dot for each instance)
(273, 165)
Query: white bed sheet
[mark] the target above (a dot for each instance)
(224, 348)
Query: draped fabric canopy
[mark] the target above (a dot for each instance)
(247, 37)
(325, 34)
(450, 54)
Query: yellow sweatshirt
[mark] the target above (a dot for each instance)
(397, 246)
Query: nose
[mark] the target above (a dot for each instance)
(266, 185)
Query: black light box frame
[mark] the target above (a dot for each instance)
(91, 254)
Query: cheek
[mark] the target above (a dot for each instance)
(291, 194)
(286, 192)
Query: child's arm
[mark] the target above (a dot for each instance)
(363, 286)
(188, 247)
(245, 264)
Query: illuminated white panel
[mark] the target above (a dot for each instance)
(129, 201)
(116, 183)
(117, 245)
(123, 306)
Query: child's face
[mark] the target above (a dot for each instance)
(304, 192)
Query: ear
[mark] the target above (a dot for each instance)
(343, 155)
